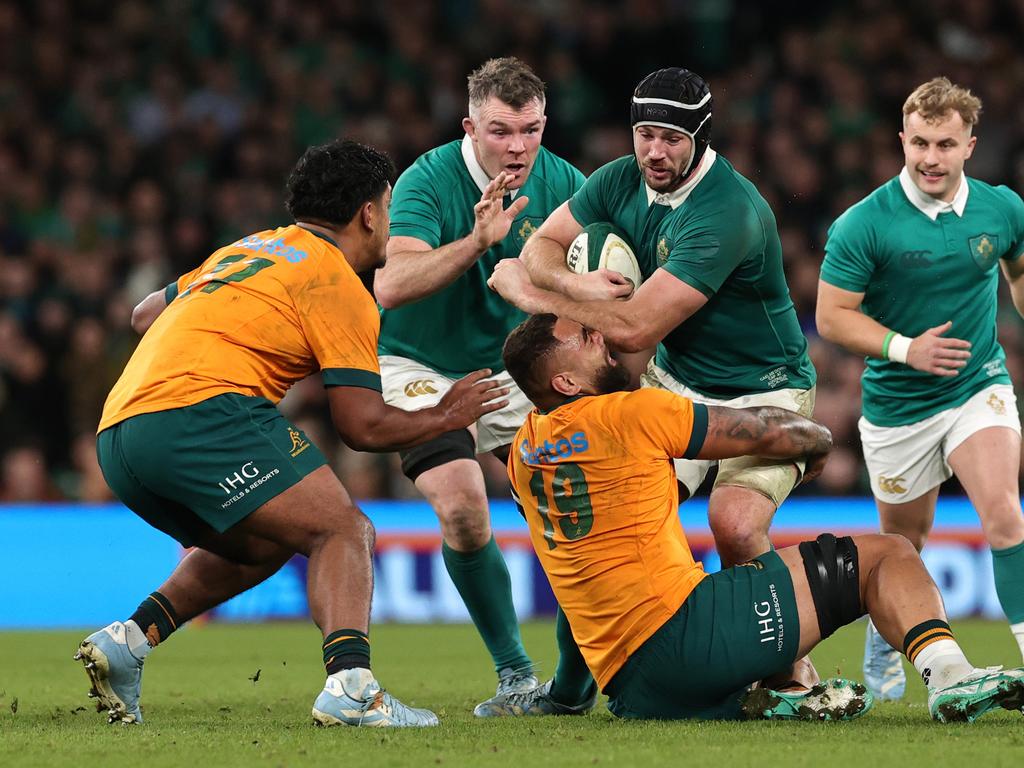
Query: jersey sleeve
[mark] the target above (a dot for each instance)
(341, 324)
(172, 290)
(1016, 218)
(705, 252)
(416, 206)
(849, 254)
(670, 422)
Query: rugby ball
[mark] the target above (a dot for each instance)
(603, 246)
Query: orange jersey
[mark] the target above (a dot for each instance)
(254, 318)
(597, 484)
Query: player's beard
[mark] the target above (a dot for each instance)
(611, 378)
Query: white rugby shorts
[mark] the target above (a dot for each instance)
(411, 385)
(908, 461)
(772, 478)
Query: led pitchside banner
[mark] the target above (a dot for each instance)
(50, 551)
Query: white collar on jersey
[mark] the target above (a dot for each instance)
(475, 169)
(677, 198)
(927, 204)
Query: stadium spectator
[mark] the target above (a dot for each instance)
(102, 102)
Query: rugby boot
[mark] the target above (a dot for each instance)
(983, 690)
(354, 697)
(115, 674)
(535, 702)
(510, 681)
(832, 699)
(883, 667)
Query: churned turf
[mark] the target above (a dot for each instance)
(223, 695)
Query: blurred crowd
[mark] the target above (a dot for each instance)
(138, 136)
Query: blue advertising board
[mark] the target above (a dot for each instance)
(76, 565)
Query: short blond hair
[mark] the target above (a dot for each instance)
(938, 97)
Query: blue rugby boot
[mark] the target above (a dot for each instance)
(115, 673)
(510, 681)
(983, 690)
(832, 699)
(883, 667)
(537, 701)
(354, 697)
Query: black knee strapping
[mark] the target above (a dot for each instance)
(457, 444)
(833, 573)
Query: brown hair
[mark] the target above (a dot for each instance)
(935, 99)
(509, 79)
(527, 346)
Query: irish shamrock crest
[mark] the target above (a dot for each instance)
(662, 251)
(524, 228)
(984, 250)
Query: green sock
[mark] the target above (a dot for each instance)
(157, 618)
(1008, 569)
(572, 677)
(481, 577)
(346, 649)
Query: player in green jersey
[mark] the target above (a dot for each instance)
(910, 280)
(714, 300)
(456, 212)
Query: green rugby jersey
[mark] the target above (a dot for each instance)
(916, 272)
(463, 326)
(718, 235)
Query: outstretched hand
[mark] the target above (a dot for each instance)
(492, 222)
(471, 397)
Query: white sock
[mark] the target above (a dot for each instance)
(137, 642)
(942, 663)
(354, 680)
(1018, 634)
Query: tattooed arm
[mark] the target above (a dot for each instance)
(773, 433)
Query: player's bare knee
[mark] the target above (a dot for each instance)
(738, 540)
(1004, 533)
(875, 547)
(465, 528)
(361, 527)
(897, 545)
(1002, 521)
(347, 521)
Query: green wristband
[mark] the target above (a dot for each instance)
(885, 344)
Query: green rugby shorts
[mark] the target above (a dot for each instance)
(207, 465)
(737, 626)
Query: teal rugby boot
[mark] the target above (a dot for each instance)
(832, 699)
(115, 674)
(354, 697)
(983, 690)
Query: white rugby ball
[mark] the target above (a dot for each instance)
(603, 246)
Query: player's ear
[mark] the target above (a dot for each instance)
(469, 127)
(566, 384)
(970, 147)
(367, 215)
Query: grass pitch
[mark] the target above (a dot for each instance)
(204, 708)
